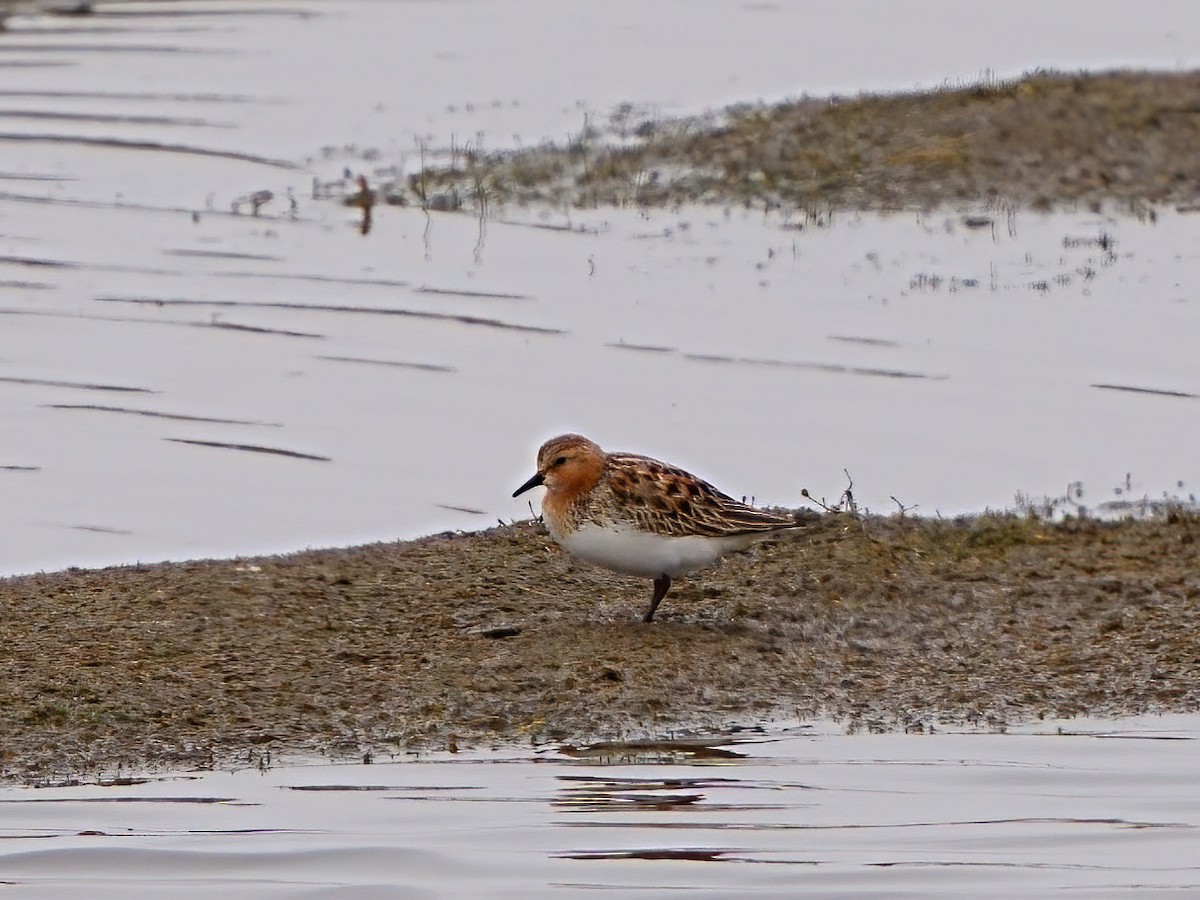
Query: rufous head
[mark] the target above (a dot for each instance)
(567, 463)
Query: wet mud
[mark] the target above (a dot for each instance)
(498, 637)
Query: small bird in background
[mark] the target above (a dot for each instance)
(638, 516)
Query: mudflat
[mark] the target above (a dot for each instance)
(498, 637)
(1050, 139)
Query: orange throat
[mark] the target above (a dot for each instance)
(567, 492)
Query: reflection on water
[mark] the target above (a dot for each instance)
(1091, 808)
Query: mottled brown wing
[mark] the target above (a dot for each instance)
(667, 500)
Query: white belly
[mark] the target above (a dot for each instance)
(642, 553)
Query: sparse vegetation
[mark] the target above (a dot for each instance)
(1044, 140)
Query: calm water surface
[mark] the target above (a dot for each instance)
(180, 378)
(1073, 809)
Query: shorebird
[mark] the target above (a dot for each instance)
(639, 516)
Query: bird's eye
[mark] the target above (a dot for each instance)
(559, 461)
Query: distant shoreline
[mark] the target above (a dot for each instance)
(1046, 140)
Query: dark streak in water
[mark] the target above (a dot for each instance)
(34, 28)
(139, 320)
(379, 787)
(985, 864)
(207, 832)
(129, 144)
(1142, 390)
(817, 367)
(39, 263)
(323, 307)
(27, 285)
(680, 825)
(73, 49)
(396, 364)
(177, 417)
(462, 509)
(223, 254)
(32, 64)
(871, 342)
(376, 282)
(100, 529)
(482, 295)
(34, 262)
(30, 176)
(585, 793)
(139, 96)
(1124, 735)
(75, 385)
(110, 119)
(255, 329)
(251, 448)
(20, 468)
(548, 226)
(121, 800)
(607, 801)
(697, 854)
(647, 348)
(635, 783)
(225, 10)
(121, 205)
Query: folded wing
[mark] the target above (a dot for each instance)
(667, 500)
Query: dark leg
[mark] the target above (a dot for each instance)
(662, 584)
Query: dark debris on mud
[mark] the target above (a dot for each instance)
(499, 637)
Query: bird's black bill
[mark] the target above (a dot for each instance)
(531, 483)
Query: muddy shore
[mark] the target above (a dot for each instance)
(1048, 140)
(498, 637)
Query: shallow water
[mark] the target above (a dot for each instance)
(238, 386)
(1077, 808)
(181, 378)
